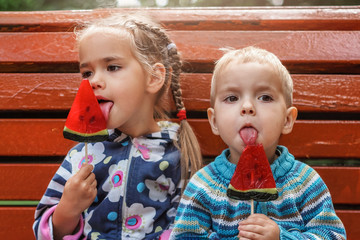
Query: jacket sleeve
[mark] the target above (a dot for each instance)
(317, 211)
(42, 226)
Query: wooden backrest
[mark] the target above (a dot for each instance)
(39, 79)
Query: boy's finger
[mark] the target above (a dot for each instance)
(255, 219)
(253, 228)
(248, 235)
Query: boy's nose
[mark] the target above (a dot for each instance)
(247, 108)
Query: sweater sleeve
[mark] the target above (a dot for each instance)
(317, 211)
(193, 219)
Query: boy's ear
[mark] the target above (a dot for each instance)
(212, 121)
(291, 115)
(157, 78)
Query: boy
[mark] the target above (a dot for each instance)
(251, 98)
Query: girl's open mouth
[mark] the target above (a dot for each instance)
(105, 106)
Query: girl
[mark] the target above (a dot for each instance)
(131, 187)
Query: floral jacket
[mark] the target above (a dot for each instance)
(138, 187)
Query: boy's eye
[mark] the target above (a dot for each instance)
(265, 98)
(112, 68)
(231, 99)
(86, 74)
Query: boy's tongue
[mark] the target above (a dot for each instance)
(105, 109)
(248, 135)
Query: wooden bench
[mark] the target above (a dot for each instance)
(39, 78)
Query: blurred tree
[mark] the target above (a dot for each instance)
(31, 5)
(320, 2)
(14, 5)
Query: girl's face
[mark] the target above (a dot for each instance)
(249, 96)
(119, 82)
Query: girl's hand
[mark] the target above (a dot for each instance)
(79, 192)
(258, 226)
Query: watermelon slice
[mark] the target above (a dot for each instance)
(85, 122)
(253, 178)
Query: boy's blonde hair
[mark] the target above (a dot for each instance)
(258, 55)
(150, 44)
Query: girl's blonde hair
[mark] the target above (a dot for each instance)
(150, 44)
(254, 54)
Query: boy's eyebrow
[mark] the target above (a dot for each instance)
(266, 87)
(112, 58)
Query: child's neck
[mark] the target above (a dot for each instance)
(138, 130)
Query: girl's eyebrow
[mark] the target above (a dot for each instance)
(106, 59)
(84, 65)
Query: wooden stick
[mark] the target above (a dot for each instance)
(86, 153)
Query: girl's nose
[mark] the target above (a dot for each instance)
(248, 108)
(96, 82)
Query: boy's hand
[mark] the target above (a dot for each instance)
(258, 226)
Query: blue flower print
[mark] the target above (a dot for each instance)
(114, 184)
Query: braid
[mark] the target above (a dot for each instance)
(159, 42)
(191, 157)
(175, 81)
(170, 59)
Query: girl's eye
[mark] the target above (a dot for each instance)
(231, 99)
(86, 74)
(112, 68)
(266, 98)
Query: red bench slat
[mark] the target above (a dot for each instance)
(235, 18)
(25, 181)
(297, 50)
(343, 183)
(16, 223)
(309, 139)
(350, 218)
(56, 91)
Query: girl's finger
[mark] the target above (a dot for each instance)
(85, 170)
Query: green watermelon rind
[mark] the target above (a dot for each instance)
(99, 136)
(260, 195)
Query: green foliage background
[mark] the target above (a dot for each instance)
(33, 5)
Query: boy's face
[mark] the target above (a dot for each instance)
(250, 95)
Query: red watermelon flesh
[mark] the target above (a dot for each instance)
(85, 121)
(253, 178)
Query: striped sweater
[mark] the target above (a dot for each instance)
(303, 210)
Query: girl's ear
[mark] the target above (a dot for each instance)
(291, 115)
(157, 78)
(212, 121)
